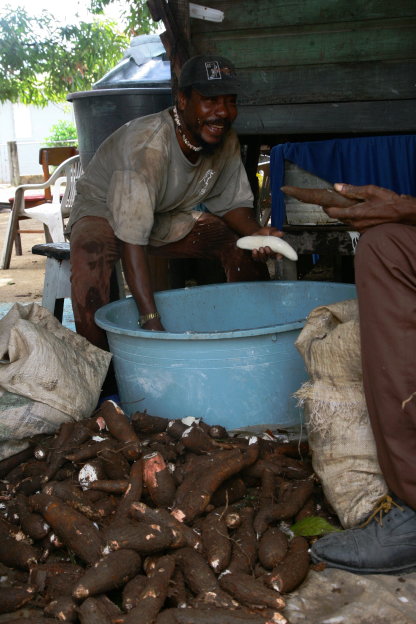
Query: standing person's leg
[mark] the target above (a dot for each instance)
(94, 252)
(212, 238)
(386, 285)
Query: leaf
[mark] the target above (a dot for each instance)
(62, 133)
(43, 61)
(313, 525)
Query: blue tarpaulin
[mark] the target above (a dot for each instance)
(387, 161)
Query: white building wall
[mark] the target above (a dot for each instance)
(6, 130)
(28, 126)
(6, 125)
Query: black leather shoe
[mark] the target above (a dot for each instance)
(386, 545)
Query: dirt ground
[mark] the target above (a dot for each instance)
(23, 281)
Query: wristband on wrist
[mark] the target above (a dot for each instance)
(148, 317)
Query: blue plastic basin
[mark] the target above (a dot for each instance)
(227, 354)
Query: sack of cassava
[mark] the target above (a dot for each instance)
(48, 375)
(340, 436)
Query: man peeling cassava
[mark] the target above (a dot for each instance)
(170, 184)
(385, 271)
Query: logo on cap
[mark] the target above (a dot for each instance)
(213, 70)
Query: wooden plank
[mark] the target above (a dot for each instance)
(328, 118)
(322, 67)
(328, 83)
(254, 14)
(312, 45)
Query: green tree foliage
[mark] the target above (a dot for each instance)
(42, 61)
(136, 14)
(62, 133)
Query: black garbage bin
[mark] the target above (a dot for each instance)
(139, 85)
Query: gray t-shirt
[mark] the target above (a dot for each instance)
(142, 183)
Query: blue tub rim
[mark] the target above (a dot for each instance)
(109, 326)
(193, 335)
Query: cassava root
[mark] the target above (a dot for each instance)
(180, 518)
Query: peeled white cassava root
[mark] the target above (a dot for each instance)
(276, 244)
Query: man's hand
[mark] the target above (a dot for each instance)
(243, 221)
(262, 254)
(378, 205)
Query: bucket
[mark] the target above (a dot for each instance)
(227, 355)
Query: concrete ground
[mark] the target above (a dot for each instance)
(23, 281)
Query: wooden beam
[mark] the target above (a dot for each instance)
(341, 82)
(342, 42)
(328, 118)
(175, 40)
(255, 14)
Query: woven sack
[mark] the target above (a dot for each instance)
(48, 375)
(339, 432)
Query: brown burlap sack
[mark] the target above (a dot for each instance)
(339, 432)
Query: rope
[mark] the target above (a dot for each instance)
(383, 506)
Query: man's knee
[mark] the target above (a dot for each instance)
(388, 244)
(92, 234)
(376, 239)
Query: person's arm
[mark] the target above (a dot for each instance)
(243, 221)
(376, 206)
(137, 274)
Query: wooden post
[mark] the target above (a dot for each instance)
(181, 9)
(13, 163)
(175, 39)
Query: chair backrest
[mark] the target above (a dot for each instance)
(52, 157)
(72, 170)
(63, 186)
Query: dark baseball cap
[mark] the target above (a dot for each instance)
(209, 75)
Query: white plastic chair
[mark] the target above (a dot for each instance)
(62, 184)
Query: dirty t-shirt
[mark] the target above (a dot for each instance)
(142, 183)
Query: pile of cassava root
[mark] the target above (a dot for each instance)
(150, 520)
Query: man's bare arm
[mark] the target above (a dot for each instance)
(137, 274)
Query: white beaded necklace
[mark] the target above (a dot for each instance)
(178, 126)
